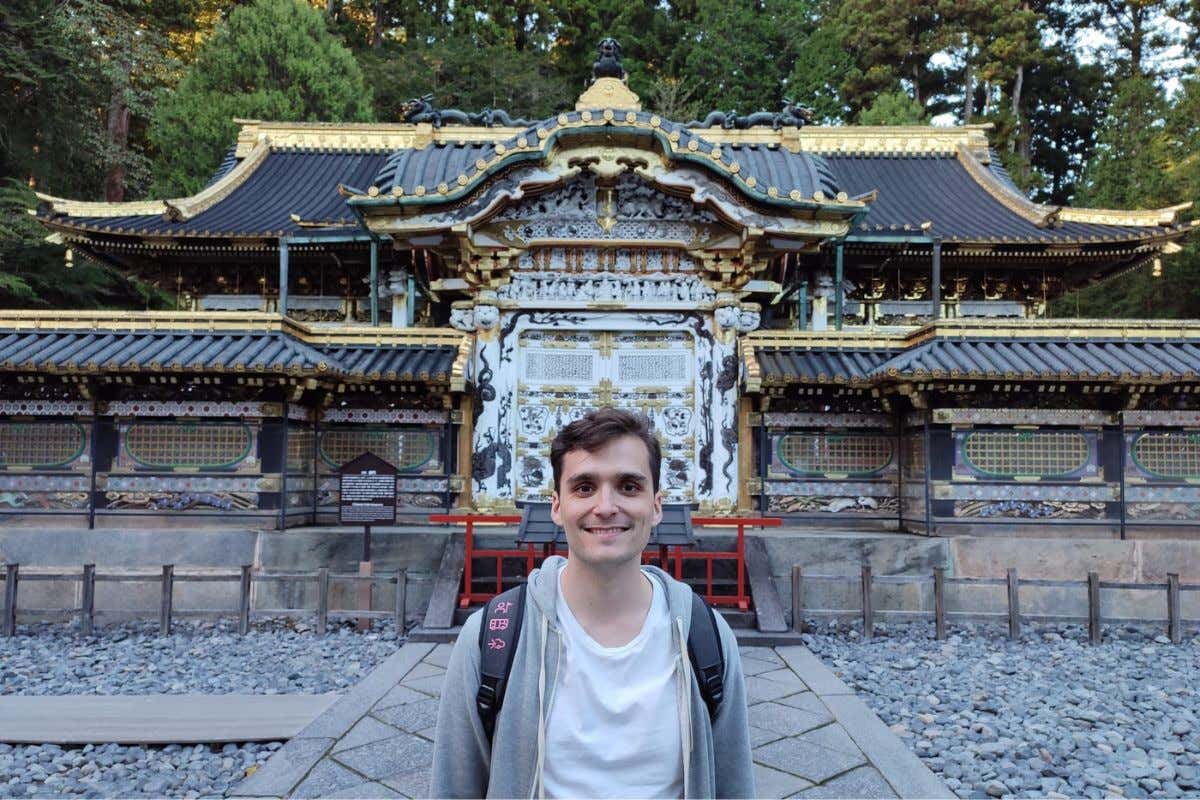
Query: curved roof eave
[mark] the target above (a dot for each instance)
(539, 142)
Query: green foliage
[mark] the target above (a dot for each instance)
(892, 108)
(1146, 158)
(275, 60)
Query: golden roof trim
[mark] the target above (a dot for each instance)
(221, 321)
(1019, 204)
(186, 208)
(458, 370)
(101, 208)
(1135, 218)
(360, 135)
(874, 139)
(751, 369)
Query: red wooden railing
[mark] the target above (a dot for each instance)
(740, 598)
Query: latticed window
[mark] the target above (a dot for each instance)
(300, 450)
(1043, 454)
(568, 367)
(1168, 455)
(188, 445)
(40, 445)
(914, 455)
(408, 449)
(833, 453)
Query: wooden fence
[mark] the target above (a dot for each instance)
(167, 579)
(1011, 582)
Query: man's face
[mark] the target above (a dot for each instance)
(606, 503)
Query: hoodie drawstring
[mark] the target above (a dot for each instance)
(538, 783)
(684, 696)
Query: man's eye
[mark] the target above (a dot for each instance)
(632, 488)
(583, 488)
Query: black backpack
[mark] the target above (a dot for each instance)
(500, 630)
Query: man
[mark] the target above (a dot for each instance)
(601, 698)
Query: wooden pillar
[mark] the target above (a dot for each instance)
(283, 275)
(935, 285)
(374, 282)
(745, 455)
(839, 279)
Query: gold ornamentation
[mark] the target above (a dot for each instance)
(608, 93)
(1039, 215)
(419, 191)
(586, 116)
(397, 191)
(442, 188)
(1155, 217)
(501, 149)
(522, 141)
(630, 117)
(562, 119)
(542, 133)
(373, 191)
(462, 180)
(772, 191)
(693, 145)
(751, 181)
(655, 121)
(480, 164)
(795, 194)
(608, 114)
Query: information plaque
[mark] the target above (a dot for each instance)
(368, 493)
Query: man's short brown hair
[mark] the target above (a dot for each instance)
(598, 428)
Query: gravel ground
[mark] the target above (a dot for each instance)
(1050, 716)
(110, 770)
(276, 657)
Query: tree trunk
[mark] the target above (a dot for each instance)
(968, 94)
(118, 140)
(377, 24)
(331, 8)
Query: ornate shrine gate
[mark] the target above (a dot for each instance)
(564, 374)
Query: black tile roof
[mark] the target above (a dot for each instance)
(912, 189)
(300, 182)
(198, 351)
(414, 175)
(937, 188)
(1046, 358)
(409, 363)
(1019, 358)
(795, 365)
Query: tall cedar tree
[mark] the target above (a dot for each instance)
(273, 60)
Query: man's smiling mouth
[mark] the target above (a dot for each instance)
(607, 530)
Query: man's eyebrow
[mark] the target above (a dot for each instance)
(591, 477)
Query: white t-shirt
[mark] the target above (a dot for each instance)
(614, 726)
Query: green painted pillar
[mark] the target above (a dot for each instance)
(839, 278)
(374, 282)
(283, 275)
(803, 306)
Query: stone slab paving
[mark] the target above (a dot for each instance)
(811, 737)
(157, 718)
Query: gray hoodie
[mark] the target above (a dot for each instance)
(716, 755)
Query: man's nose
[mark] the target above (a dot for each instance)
(606, 501)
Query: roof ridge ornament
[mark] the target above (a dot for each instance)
(610, 84)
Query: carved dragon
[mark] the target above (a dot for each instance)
(421, 109)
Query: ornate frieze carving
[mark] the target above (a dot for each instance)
(570, 289)
(395, 416)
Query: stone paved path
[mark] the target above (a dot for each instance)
(810, 736)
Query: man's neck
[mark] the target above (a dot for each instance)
(610, 605)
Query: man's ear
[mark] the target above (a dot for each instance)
(658, 507)
(554, 509)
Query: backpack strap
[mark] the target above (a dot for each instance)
(499, 631)
(706, 654)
